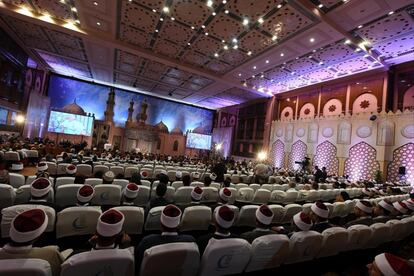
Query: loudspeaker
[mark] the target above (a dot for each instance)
(373, 117)
(401, 170)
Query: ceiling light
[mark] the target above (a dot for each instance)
(172, 18)
(282, 54)
(188, 43)
(274, 37)
(234, 40)
(260, 20)
(244, 84)
(192, 28)
(98, 23)
(262, 76)
(347, 41)
(214, 13)
(226, 47)
(320, 6)
(360, 26)
(240, 74)
(249, 53)
(321, 63)
(245, 22)
(224, 2)
(95, 3)
(357, 49)
(314, 51)
(209, 3)
(165, 9)
(77, 21)
(311, 40)
(156, 31)
(202, 26)
(254, 67)
(267, 61)
(73, 9)
(130, 0)
(216, 55)
(223, 41)
(297, 57)
(226, 11)
(279, 6)
(309, 56)
(391, 12)
(154, 10)
(206, 33)
(235, 46)
(366, 55)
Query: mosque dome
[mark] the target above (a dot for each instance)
(161, 127)
(177, 130)
(199, 130)
(73, 108)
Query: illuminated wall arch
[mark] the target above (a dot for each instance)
(366, 102)
(278, 154)
(297, 153)
(402, 157)
(326, 156)
(362, 162)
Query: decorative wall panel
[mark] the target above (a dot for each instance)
(362, 163)
(402, 157)
(326, 157)
(278, 154)
(297, 153)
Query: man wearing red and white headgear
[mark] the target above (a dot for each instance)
(39, 192)
(130, 194)
(319, 215)
(25, 229)
(170, 220)
(224, 218)
(109, 234)
(71, 170)
(85, 195)
(264, 217)
(196, 196)
(363, 213)
(383, 211)
(387, 264)
(401, 208)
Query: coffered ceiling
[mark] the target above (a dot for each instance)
(212, 53)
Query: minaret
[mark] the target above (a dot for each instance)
(130, 111)
(110, 103)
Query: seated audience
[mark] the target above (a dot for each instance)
(25, 229)
(135, 178)
(196, 196)
(98, 174)
(367, 192)
(401, 209)
(319, 215)
(382, 212)
(207, 181)
(300, 222)
(223, 220)
(80, 179)
(129, 194)
(163, 178)
(108, 177)
(342, 197)
(386, 264)
(170, 220)
(178, 176)
(109, 234)
(363, 212)
(39, 192)
(186, 180)
(42, 168)
(226, 183)
(85, 195)
(71, 170)
(292, 186)
(264, 217)
(159, 199)
(223, 199)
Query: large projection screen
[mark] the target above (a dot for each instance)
(61, 122)
(198, 141)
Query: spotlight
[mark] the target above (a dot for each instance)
(262, 155)
(165, 9)
(20, 119)
(219, 146)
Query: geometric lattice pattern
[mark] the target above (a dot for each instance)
(326, 157)
(297, 153)
(362, 163)
(403, 157)
(278, 154)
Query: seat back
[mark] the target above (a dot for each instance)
(11, 156)
(278, 213)
(247, 216)
(24, 267)
(291, 196)
(183, 259)
(267, 187)
(235, 179)
(64, 180)
(61, 168)
(120, 182)
(261, 196)
(177, 184)
(312, 196)
(134, 219)
(197, 184)
(84, 169)
(183, 195)
(66, 195)
(290, 211)
(117, 170)
(93, 181)
(107, 194)
(338, 209)
(277, 196)
(172, 175)
(129, 171)
(16, 180)
(169, 194)
(210, 195)
(335, 240)
(23, 195)
(118, 262)
(145, 183)
(245, 195)
(224, 257)
(195, 218)
(51, 168)
(241, 185)
(268, 251)
(397, 230)
(380, 234)
(7, 196)
(100, 168)
(76, 221)
(358, 237)
(304, 246)
(153, 220)
(255, 186)
(9, 213)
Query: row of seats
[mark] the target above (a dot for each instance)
(82, 220)
(224, 257)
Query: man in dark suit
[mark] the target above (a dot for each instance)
(318, 174)
(319, 214)
(219, 170)
(363, 213)
(159, 199)
(170, 219)
(264, 217)
(224, 219)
